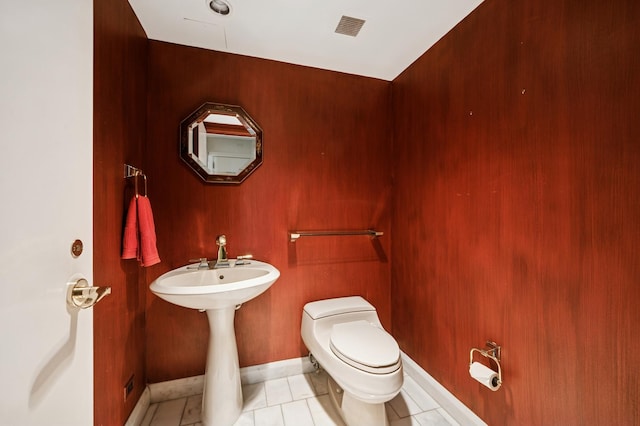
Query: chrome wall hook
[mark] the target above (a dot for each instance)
(134, 172)
(130, 171)
(81, 295)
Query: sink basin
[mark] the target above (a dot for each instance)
(219, 292)
(215, 288)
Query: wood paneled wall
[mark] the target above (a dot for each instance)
(326, 166)
(516, 214)
(119, 134)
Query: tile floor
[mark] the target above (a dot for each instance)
(301, 400)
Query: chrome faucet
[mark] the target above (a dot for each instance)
(222, 260)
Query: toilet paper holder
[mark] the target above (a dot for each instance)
(492, 352)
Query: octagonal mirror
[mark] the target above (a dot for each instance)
(221, 143)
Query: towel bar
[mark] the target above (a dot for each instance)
(294, 235)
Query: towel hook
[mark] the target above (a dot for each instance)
(136, 184)
(135, 173)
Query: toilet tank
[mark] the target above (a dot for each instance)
(319, 317)
(337, 306)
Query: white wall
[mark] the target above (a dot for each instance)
(46, 112)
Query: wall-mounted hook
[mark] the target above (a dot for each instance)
(130, 171)
(134, 172)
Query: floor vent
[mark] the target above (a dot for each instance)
(349, 26)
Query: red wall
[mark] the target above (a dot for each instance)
(326, 166)
(514, 207)
(516, 214)
(120, 50)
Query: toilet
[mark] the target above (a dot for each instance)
(346, 338)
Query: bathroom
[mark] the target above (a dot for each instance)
(501, 167)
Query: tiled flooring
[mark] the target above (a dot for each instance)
(301, 400)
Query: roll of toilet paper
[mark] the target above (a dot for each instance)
(484, 375)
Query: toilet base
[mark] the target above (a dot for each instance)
(355, 412)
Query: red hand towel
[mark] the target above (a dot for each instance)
(148, 249)
(130, 236)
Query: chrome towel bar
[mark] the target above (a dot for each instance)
(294, 235)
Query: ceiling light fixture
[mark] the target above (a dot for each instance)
(220, 7)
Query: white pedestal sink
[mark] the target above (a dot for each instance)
(219, 292)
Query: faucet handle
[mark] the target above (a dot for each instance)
(241, 260)
(204, 263)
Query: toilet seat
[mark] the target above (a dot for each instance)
(365, 346)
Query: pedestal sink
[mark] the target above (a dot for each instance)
(219, 292)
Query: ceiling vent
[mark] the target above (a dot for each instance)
(349, 26)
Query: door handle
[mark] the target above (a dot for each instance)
(81, 295)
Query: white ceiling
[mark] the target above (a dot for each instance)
(302, 32)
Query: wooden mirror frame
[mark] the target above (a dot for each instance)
(248, 128)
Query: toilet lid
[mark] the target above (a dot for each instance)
(366, 346)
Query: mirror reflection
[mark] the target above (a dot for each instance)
(221, 143)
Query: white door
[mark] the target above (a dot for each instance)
(46, 125)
